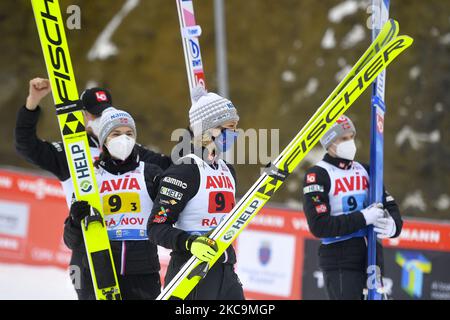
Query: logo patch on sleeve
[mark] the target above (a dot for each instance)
(167, 202)
(321, 208)
(161, 216)
(171, 193)
(311, 178)
(312, 188)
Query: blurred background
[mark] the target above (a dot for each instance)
(283, 57)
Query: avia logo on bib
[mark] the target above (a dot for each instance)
(120, 184)
(219, 182)
(353, 183)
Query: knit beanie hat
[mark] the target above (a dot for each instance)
(342, 126)
(113, 118)
(209, 110)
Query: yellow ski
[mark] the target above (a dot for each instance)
(50, 26)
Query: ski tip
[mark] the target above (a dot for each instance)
(397, 25)
(407, 39)
(392, 20)
(394, 25)
(400, 44)
(411, 40)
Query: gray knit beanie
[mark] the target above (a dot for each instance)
(342, 126)
(209, 111)
(113, 118)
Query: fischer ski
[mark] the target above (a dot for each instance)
(190, 32)
(53, 40)
(346, 93)
(390, 31)
(380, 14)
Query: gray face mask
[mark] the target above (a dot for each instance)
(346, 150)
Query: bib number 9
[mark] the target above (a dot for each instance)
(221, 202)
(353, 203)
(121, 203)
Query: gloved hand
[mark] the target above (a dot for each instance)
(372, 213)
(202, 247)
(385, 227)
(79, 210)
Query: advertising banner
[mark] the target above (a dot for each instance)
(277, 255)
(32, 213)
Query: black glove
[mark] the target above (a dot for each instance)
(78, 211)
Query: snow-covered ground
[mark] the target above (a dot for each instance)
(22, 282)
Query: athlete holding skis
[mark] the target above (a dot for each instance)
(50, 156)
(335, 197)
(195, 194)
(125, 186)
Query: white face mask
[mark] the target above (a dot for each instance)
(346, 150)
(94, 125)
(120, 147)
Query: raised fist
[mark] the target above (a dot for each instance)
(39, 88)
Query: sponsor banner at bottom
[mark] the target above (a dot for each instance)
(266, 262)
(408, 274)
